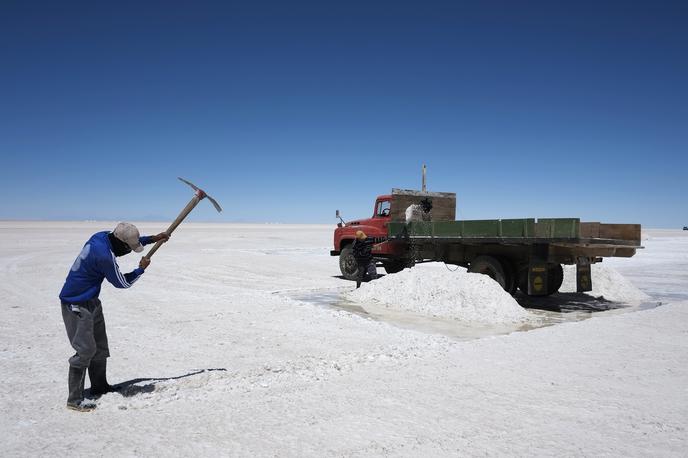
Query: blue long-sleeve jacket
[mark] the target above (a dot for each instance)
(95, 263)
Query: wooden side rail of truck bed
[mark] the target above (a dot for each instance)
(564, 231)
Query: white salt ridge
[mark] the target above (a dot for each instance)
(607, 283)
(434, 290)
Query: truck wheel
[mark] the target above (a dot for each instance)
(491, 267)
(523, 280)
(555, 277)
(347, 263)
(392, 267)
(511, 276)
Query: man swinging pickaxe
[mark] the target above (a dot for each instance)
(82, 310)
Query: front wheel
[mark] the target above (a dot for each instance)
(347, 263)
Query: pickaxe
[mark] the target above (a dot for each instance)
(198, 196)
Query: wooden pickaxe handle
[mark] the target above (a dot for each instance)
(199, 195)
(183, 214)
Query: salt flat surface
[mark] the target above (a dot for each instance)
(661, 269)
(229, 365)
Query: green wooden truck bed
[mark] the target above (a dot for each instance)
(527, 252)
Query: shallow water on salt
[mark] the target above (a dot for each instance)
(543, 311)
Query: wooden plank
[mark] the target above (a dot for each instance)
(481, 228)
(590, 230)
(557, 228)
(395, 228)
(421, 228)
(517, 228)
(448, 229)
(543, 227)
(422, 194)
(567, 227)
(564, 232)
(620, 232)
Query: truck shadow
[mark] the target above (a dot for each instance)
(567, 303)
(132, 387)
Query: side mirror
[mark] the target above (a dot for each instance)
(341, 221)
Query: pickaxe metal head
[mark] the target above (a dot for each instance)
(202, 194)
(198, 196)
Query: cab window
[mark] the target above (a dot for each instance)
(382, 209)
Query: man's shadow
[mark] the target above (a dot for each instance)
(130, 387)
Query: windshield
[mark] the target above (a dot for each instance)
(382, 208)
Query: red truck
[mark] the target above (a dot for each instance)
(525, 253)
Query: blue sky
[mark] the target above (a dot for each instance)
(286, 111)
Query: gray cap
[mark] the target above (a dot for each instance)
(129, 234)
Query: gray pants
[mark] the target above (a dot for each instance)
(86, 332)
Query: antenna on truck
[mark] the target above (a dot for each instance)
(423, 188)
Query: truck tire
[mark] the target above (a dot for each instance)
(347, 263)
(555, 277)
(491, 267)
(523, 280)
(511, 275)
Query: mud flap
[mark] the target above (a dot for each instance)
(537, 279)
(583, 276)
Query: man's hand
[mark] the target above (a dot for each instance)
(144, 262)
(163, 236)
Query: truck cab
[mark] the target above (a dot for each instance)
(387, 208)
(374, 227)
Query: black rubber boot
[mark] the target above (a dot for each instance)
(97, 373)
(75, 400)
